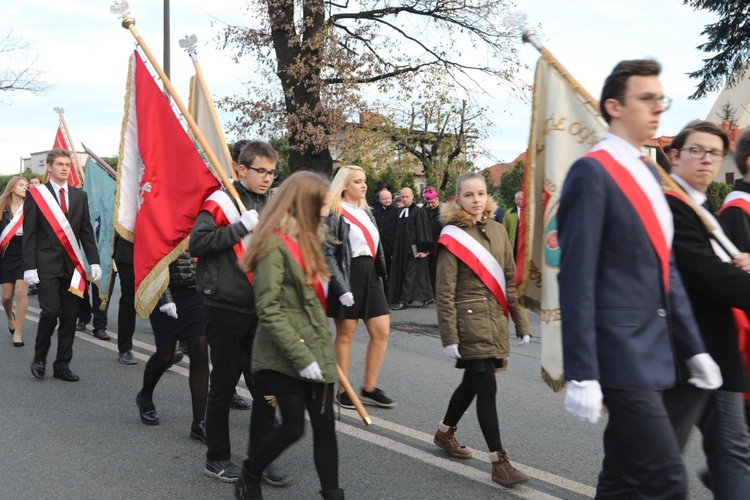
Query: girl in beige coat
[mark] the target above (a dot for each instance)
(473, 323)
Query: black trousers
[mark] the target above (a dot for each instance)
(641, 449)
(126, 312)
(90, 305)
(230, 338)
(56, 303)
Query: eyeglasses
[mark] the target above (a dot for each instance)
(700, 153)
(263, 173)
(652, 100)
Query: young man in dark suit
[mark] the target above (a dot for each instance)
(55, 220)
(626, 320)
(715, 283)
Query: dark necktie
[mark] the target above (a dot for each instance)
(63, 204)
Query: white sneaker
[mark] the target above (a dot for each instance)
(524, 340)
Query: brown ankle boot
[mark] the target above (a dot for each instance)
(445, 438)
(503, 472)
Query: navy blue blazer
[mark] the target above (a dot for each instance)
(618, 324)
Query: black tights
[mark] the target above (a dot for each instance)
(318, 399)
(162, 358)
(484, 386)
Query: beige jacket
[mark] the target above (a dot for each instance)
(468, 313)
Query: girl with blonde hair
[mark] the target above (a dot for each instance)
(294, 365)
(355, 256)
(11, 251)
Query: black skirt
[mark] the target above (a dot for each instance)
(11, 265)
(369, 297)
(481, 365)
(190, 322)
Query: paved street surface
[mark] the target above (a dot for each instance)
(85, 440)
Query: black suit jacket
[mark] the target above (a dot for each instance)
(714, 287)
(42, 249)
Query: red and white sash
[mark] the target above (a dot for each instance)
(52, 212)
(224, 212)
(11, 229)
(479, 259)
(640, 201)
(738, 199)
(321, 290)
(368, 236)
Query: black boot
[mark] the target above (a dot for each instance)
(337, 494)
(247, 487)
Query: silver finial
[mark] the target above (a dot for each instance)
(189, 43)
(120, 9)
(59, 110)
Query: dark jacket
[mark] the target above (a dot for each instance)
(181, 277)
(338, 254)
(714, 288)
(218, 275)
(385, 218)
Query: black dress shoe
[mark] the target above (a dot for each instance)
(198, 432)
(37, 369)
(416, 303)
(101, 334)
(239, 403)
(66, 375)
(147, 411)
(398, 306)
(81, 326)
(18, 344)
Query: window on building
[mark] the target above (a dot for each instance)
(729, 177)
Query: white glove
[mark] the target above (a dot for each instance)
(31, 276)
(312, 372)
(347, 299)
(451, 351)
(524, 340)
(96, 272)
(704, 372)
(170, 309)
(249, 218)
(584, 400)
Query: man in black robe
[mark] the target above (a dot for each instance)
(410, 269)
(431, 208)
(385, 218)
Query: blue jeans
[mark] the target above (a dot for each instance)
(726, 443)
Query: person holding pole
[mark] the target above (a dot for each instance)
(355, 257)
(218, 239)
(626, 318)
(293, 361)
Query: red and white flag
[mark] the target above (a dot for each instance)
(62, 142)
(162, 182)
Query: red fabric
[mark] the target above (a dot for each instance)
(10, 231)
(642, 205)
(294, 249)
(739, 203)
(368, 237)
(175, 180)
(63, 203)
(61, 143)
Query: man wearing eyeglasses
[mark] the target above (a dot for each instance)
(715, 283)
(626, 321)
(218, 239)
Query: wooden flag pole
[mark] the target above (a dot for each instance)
(190, 49)
(353, 396)
(76, 165)
(129, 24)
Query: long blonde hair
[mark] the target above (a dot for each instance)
(295, 211)
(8, 193)
(336, 192)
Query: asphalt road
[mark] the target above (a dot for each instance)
(85, 441)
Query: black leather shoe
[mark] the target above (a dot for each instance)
(416, 303)
(66, 375)
(198, 432)
(276, 476)
(37, 369)
(147, 410)
(81, 326)
(240, 403)
(101, 334)
(398, 306)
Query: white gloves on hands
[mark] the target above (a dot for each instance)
(524, 340)
(170, 309)
(347, 299)
(451, 351)
(704, 372)
(249, 218)
(96, 272)
(584, 400)
(312, 372)
(31, 276)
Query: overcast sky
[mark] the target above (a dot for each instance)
(84, 53)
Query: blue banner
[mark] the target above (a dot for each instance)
(100, 187)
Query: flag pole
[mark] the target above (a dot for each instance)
(529, 36)
(188, 43)
(76, 164)
(129, 24)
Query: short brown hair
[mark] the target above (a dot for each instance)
(698, 126)
(57, 153)
(617, 81)
(742, 151)
(254, 149)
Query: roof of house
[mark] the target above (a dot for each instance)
(499, 169)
